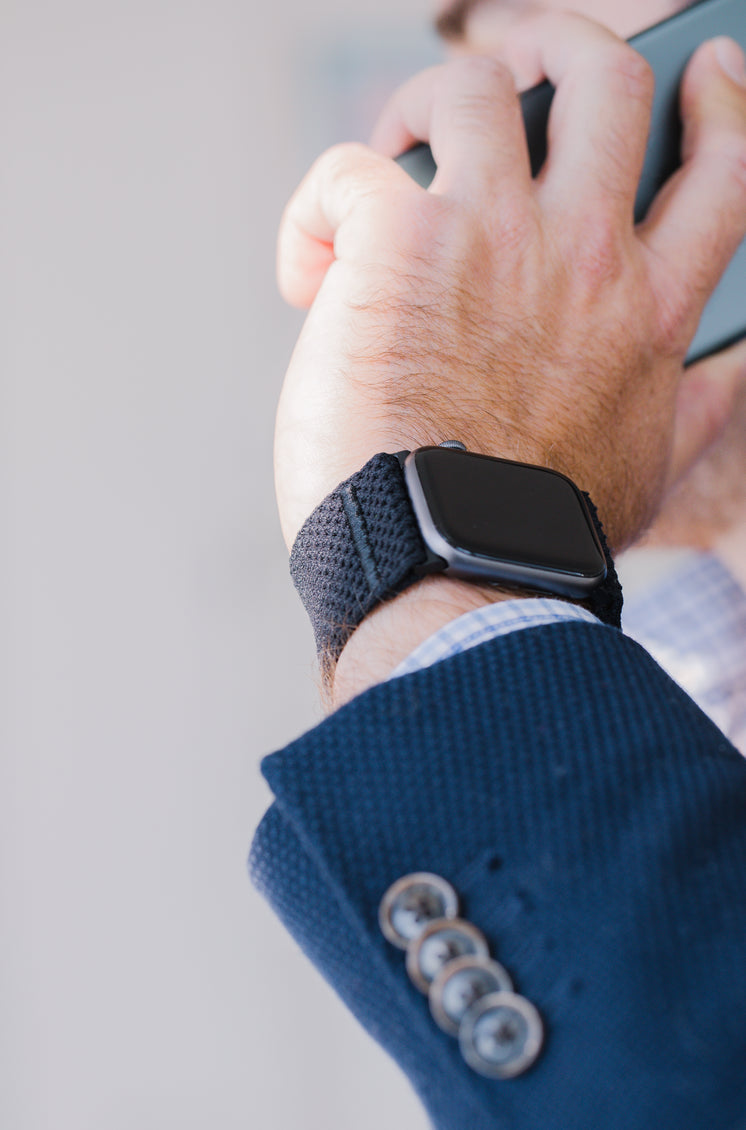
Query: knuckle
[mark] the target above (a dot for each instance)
(636, 73)
(472, 113)
(673, 325)
(485, 71)
(417, 228)
(597, 250)
(477, 87)
(515, 228)
(340, 158)
(628, 75)
(473, 239)
(668, 335)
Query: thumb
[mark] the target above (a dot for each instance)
(706, 398)
(338, 184)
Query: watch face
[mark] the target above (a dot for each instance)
(528, 517)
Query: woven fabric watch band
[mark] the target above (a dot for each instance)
(362, 544)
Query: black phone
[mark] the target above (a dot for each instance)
(667, 47)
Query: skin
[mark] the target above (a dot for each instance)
(561, 327)
(707, 510)
(476, 26)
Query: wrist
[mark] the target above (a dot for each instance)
(396, 627)
(411, 542)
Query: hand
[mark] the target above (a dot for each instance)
(528, 319)
(707, 509)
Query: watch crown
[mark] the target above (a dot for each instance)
(454, 443)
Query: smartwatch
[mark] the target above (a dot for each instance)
(446, 510)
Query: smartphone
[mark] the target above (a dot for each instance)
(667, 47)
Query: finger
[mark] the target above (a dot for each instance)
(600, 114)
(706, 399)
(468, 110)
(698, 221)
(309, 238)
(405, 119)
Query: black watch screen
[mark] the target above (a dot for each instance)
(528, 517)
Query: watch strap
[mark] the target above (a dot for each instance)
(359, 546)
(362, 545)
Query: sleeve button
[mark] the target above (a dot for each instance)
(411, 903)
(441, 942)
(501, 1035)
(461, 983)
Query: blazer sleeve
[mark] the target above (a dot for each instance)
(593, 822)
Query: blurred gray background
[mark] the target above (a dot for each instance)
(153, 649)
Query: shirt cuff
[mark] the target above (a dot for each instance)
(487, 623)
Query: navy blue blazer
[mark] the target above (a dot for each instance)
(593, 821)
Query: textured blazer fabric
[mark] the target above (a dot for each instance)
(593, 821)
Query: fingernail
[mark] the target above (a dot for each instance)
(731, 59)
